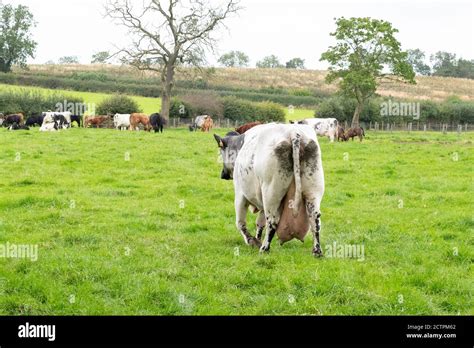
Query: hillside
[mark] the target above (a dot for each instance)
(297, 82)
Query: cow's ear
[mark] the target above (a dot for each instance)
(220, 141)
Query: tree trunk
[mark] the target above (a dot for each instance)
(168, 81)
(165, 103)
(356, 118)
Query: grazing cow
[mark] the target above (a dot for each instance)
(95, 121)
(10, 120)
(61, 121)
(199, 122)
(122, 121)
(63, 117)
(324, 127)
(355, 132)
(16, 127)
(158, 122)
(341, 136)
(245, 128)
(137, 119)
(34, 120)
(77, 119)
(208, 125)
(264, 162)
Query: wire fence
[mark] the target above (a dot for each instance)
(415, 127)
(371, 126)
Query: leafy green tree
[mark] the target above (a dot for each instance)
(446, 64)
(69, 60)
(295, 63)
(465, 68)
(16, 44)
(101, 57)
(269, 62)
(365, 54)
(234, 59)
(416, 58)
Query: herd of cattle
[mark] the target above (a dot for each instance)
(55, 121)
(277, 168)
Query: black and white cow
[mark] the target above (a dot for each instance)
(63, 119)
(58, 119)
(264, 163)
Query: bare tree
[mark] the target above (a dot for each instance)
(169, 33)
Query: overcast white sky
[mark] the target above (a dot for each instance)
(287, 28)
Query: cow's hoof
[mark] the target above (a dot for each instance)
(254, 242)
(264, 249)
(317, 252)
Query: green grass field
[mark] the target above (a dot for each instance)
(137, 223)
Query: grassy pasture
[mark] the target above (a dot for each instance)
(136, 223)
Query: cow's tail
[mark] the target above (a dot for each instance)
(296, 143)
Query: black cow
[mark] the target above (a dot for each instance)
(12, 119)
(158, 122)
(76, 118)
(16, 127)
(34, 120)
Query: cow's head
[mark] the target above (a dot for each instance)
(230, 147)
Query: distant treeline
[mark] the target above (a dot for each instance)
(151, 87)
(452, 110)
(32, 102)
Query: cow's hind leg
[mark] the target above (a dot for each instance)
(241, 208)
(261, 221)
(272, 216)
(314, 214)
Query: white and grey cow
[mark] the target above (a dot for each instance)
(264, 162)
(324, 127)
(122, 121)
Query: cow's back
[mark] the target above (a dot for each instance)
(267, 156)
